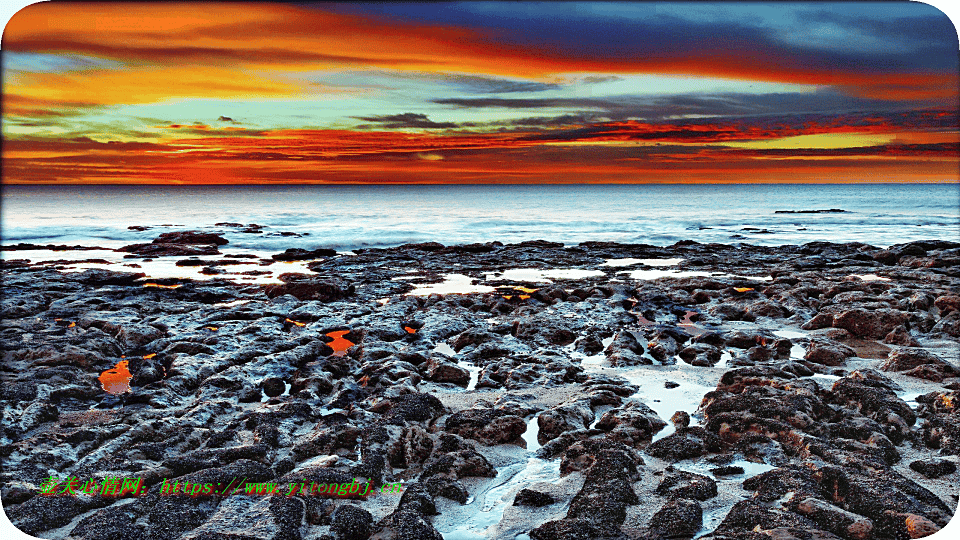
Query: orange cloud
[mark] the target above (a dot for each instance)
(184, 46)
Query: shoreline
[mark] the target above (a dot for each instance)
(823, 372)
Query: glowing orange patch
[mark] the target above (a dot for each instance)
(149, 356)
(525, 289)
(507, 296)
(116, 380)
(339, 344)
(211, 328)
(291, 321)
(410, 330)
(524, 296)
(159, 286)
(743, 289)
(71, 325)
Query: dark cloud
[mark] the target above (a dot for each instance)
(489, 85)
(192, 55)
(659, 108)
(532, 103)
(406, 120)
(226, 119)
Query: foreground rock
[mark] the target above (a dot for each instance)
(847, 429)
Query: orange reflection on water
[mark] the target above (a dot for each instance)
(161, 286)
(743, 289)
(339, 344)
(116, 380)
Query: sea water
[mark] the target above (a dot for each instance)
(353, 216)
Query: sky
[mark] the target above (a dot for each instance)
(480, 92)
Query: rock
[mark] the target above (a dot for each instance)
(678, 518)
(934, 467)
(821, 320)
(529, 497)
(727, 470)
(350, 522)
(662, 347)
(170, 250)
(835, 520)
(299, 254)
(441, 371)
(700, 354)
(949, 325)
(947, 303)
(324, 291)
(687, 485)
(99, 278)
(577, 529)
(273, 386)
(625, 350)
(684, 444)
(905, 358)
(557, 420)
(191, 237)
(873, 324)
(607, 489)
(900, 336)
(459, 464)
(443, 486)
(828, 353)
(633, 424)
(489, 426)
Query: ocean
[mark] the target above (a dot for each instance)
(350, 217)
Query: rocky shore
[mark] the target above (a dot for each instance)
(529, 391)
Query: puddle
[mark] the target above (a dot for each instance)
(789, 334)
(689, 326)
(530, 435)
(542, 276)
(231, 304)
(657, 274)
(484, 511)
(910, 398)
(443, 348)
(116, 380)
(824, 380)
(870, 277)
(648, 262)
(451, 284)
(339, 344)
(166, 268)
(652, 391)
(474, 374)
(474, 370)
(725, 357)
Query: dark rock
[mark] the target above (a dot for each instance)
(273, 386)
(873, 324)
(191, 237)
(904, 358)
(687, 485)
(678, 518)
(529, 497)
(324, 291)
(350, 522)
(828, 353)
(934, 467)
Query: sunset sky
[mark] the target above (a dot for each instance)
(480, 92)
